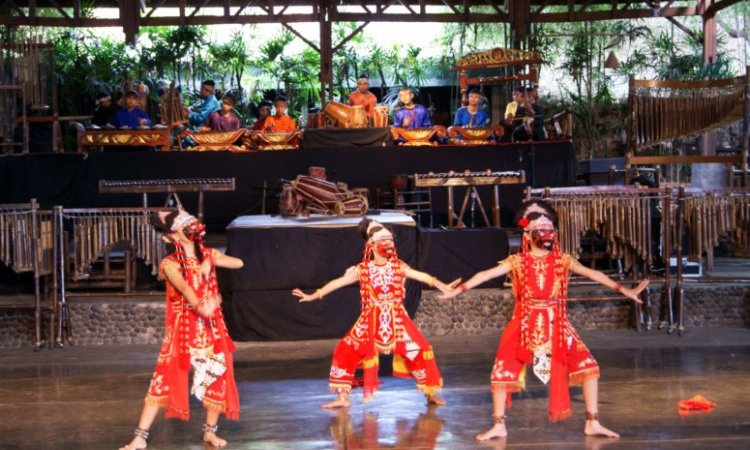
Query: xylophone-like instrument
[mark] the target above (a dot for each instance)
(471, 180)
(171, 186)
(467, 178)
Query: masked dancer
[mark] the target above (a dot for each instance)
(196, 335)
(383, 325)
(539, 333)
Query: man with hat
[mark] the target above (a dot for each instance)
(131, 116)
(104, 110)
(207, 105)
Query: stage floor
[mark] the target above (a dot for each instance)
(90, 398)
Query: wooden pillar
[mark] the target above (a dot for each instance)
(629, 125)
(130, 16)
(326, 53)
(704, 175)
(746, 128)
(520, 17)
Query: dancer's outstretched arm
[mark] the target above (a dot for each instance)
(603, 279)
(228, 262)
(350, 277)
(481, 277)
(431, 281)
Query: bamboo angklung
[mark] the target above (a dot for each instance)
(622, 218)
(95, 231)
(666, 110)
(709, 215)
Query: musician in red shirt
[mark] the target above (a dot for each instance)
(362, 96)
(264, 112)
(280, 122)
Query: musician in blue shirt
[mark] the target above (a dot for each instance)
(200, 112)
(472, 116)
(131, 116)
(411, 115)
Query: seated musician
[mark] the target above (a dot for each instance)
(411, 115)
(200, 112)
(131, 116)
(104, 110)
(362, 96)
(225, 119)
(473, 115)
(527, 122)
(264, 112)
(281, 122)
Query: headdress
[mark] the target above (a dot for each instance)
(182, 219)
(382, 234)
(376, 236)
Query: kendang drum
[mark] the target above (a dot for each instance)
(380, 117)
(316, 120)
(344, 116)
(307, 194)
(356, 205)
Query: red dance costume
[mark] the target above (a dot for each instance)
(197, 342)
(383, 327)
(539, 332)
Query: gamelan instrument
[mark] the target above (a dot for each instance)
(171, 186)
(26, 245)
(262, 140)
(214, 140)
(94, 231)
(316, 120)
(307, 195)
(475, 135)
(471, 180)
(148, 137)
(345, 116)
(380, 116)
(418, 136)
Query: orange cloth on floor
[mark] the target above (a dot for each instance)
(696, 402)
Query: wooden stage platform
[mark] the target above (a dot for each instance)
(89, 398)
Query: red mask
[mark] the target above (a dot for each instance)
(385, 249)
(544, 238)
(195, 231)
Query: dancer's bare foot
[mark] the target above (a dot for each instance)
(214, 440)
(435, 400)
(498, 430)
(594, 428)
(340, 402)
(138, 443)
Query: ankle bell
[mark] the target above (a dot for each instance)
(141, 433)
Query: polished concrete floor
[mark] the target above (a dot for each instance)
(90, 397)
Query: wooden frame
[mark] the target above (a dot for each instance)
(666, 119)
(161, 138)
